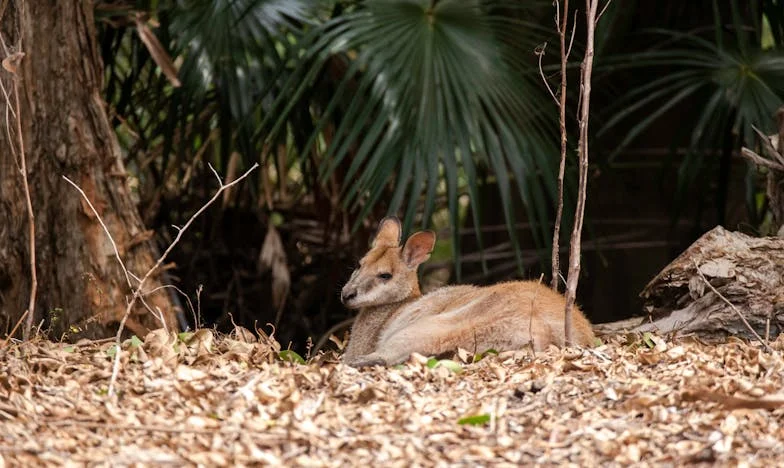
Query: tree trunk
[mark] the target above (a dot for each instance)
(745, 271)
(82, 290)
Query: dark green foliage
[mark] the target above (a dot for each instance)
(430, 90)
(720, 83)
(358, 109)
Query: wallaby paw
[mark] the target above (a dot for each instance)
(367, 361)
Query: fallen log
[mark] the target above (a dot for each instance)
(739, 277)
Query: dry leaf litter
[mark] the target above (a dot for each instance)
(215, 401)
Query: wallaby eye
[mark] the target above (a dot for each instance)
(385, 276)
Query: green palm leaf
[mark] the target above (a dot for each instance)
(740, 84)
(748, 82)
(233, 52)
(429, 88)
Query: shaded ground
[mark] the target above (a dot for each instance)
(222, 401)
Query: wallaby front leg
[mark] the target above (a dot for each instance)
(396, 349)
(368, 360)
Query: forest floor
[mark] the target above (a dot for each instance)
(207, 400)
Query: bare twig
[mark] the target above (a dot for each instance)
(171, 286)
(601, 13)
(769, 150)
(732, 306)
(555, 259)
(139, 290)
(127, 274)
(584, 113)
(157, 52)
(16, 327)
(539, 52)
(760, 161)
(198, 306)
(571, 40)
(10, 64)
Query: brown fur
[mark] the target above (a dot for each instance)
(395, 320)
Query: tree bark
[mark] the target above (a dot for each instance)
(745, 271)
(82, 290)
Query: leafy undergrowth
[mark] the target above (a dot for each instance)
(202, 399)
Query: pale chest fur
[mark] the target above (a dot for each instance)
(366, 329)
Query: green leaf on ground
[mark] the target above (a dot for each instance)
(291, 356)
(453, 366)
(479, 356)
(648, 340)
(476, 420)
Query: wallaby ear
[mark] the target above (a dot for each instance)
(388, 234)
(418, 248)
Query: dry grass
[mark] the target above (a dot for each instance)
(219, 401)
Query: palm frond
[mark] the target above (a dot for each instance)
(429, 88)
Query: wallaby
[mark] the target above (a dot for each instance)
(395, 319)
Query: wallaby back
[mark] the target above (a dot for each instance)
(395, 320)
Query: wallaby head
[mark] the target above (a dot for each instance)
(388, 272)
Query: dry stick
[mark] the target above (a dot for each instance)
(30, 215)
(584, 108)
(128, 274)
(540, 52)
(13, 330)
(732, 306)
(561, 22)
(171, 286)
(11, 64)
(760, 161)
(138, 292)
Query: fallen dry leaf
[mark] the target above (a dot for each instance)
(232, 401)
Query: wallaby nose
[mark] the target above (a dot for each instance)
(346, 296)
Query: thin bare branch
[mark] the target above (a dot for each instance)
(555, 258)
(768, 148)
(540, 53)
(106, 230)
(128, 274)
(760, 161)
(584, 108)
(16, 327)
(157, 52)
(11, 64)
(30, 214)
(171, 286)
(217, 177)
(139, 290)
(732, 306)
(571, 41)
(601, 13)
